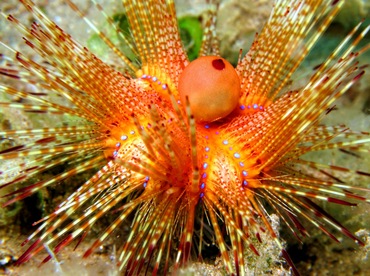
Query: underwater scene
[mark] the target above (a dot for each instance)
(185, 137)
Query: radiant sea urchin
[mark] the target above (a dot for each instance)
(188, 170)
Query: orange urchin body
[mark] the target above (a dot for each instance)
(166, 153)
(212, 87)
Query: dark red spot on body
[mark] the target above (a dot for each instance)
(218, 64)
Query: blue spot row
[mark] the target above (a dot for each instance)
(154, 79)
(204, 176)
(146, 181)
(254, 106)
(125, 137)
(115, 152)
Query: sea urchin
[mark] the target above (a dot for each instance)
(182, 147)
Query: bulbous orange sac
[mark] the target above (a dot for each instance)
(212, 86)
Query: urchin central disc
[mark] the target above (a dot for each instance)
(212, 87)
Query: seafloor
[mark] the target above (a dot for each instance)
(237, 24)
